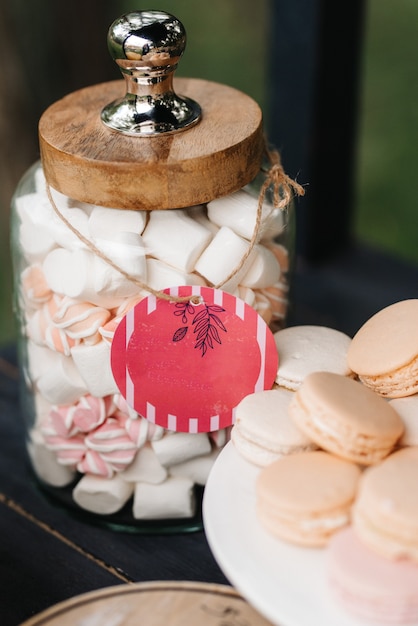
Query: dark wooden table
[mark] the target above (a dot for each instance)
(47, 556)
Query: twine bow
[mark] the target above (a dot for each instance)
(284, 187)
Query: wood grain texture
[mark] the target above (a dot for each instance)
(85, 160)
(154, 604)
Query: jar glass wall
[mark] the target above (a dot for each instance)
(89, 449)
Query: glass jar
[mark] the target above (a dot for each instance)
(81, 265)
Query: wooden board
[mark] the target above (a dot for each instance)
(85, 160)
(153, 604)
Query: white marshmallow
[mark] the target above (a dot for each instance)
(39, 179)
(104, 223)
(65, 272)
(127, 251)
(35, 241)
(61, 200)
(93, 365)
(109, 288)
(175, 238)
(178, 447)
(82, 206)
(274, 225)
(45, 463)
(42, 408)
(224, 253)
(264, 271)
(174, 498)
(33, 328)
(102, 495)
(246, 294)
(199, 214)
(36, 209)
(238, 211)
(145, 468)
(82, 275)
(162, 276)
(61, 383)
(62, 234)
(196, 469)
(39, 359)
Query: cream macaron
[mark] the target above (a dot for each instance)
(305, 349)
(263, 430)
(384, 351)
(346, 418)
(407, 409)
(385, 514)
(305, 498)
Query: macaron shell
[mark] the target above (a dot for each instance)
(304, 498)
(308, 348)
(387, 341)
(263, 417)
(344, 417)
(368, 585)
(252, 452)
(407, 409)
(263, 430)
(397, 384)
(385, 514)
(308, 483)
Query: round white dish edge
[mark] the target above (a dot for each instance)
(285, 583)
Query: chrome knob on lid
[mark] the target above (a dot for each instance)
(147, 47)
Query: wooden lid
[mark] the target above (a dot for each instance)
(86, 160)
(153, 604)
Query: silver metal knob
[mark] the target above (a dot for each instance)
(147, 46)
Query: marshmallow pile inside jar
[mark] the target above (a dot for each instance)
(82, 436)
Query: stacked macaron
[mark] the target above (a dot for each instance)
(355, 495)
(384, 351)
(72, 301)
(351, 427)
(305, 349)
(372, 565)
(305, 491)
(264, 430)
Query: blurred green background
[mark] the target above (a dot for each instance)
(220, 35)
(387, 180)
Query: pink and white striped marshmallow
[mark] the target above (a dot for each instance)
(112, 443)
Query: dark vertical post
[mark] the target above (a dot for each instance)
(315, 62)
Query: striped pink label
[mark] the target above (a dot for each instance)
(186, 366)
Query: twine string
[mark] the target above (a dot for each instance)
(90, 245)
(284, 188)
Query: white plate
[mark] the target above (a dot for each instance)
(284, 583)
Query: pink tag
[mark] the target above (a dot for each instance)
(186, 366)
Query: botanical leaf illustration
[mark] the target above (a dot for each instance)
(182, 309)
(180, 333)
(205, 329)
(217, 321)
(206, 324)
